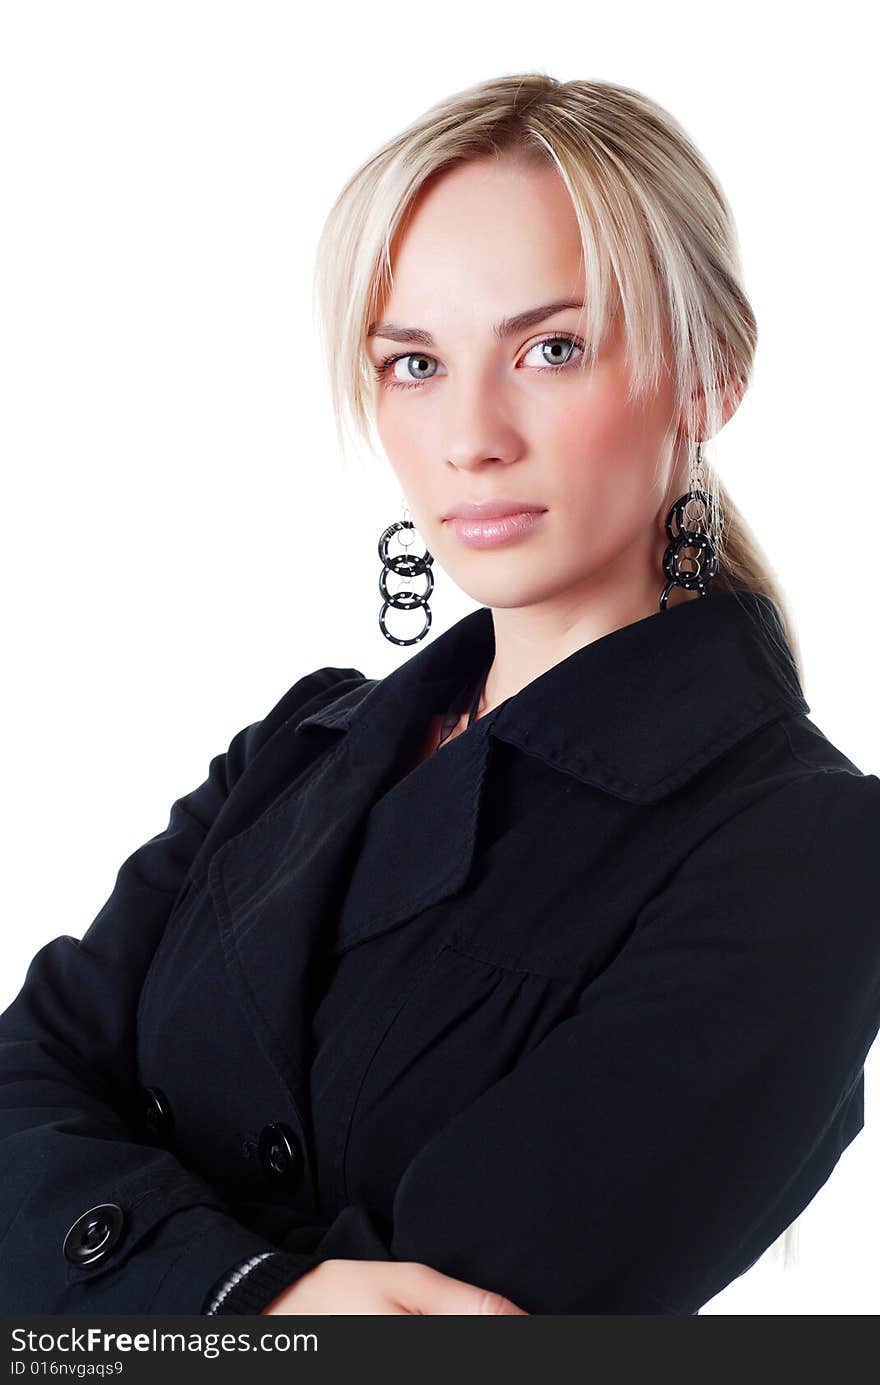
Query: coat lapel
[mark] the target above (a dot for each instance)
(401, 871)
(279, 886)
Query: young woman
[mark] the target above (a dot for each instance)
(538, 976)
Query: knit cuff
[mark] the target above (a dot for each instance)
(254, 1283)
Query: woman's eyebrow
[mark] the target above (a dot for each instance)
(507, 327)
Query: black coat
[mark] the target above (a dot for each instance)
(577, 1010)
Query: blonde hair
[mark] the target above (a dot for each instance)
(658, 242)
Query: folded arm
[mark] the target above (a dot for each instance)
(658, 1141)
(93, 1216)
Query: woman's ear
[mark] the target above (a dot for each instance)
(728, 395)
(731, 397)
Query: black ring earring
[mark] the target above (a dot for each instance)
(703, 560)
(405, 566)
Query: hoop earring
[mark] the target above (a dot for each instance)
(704, 560)
(406, 567)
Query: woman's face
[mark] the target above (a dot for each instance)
(467, 415)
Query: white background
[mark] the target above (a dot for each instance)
(181, 542)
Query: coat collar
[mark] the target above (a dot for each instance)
(636, 712)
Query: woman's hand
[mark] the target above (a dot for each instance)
(380, 1286)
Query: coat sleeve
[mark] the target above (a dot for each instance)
(662, 1136)
(94, 1217)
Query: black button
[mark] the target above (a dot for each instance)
(94, 1234)
(156, 1118)
(280, 1153)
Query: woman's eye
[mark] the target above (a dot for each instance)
(413, 368)
(557, 351)
(407, 371)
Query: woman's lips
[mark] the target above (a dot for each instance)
(489, 533)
